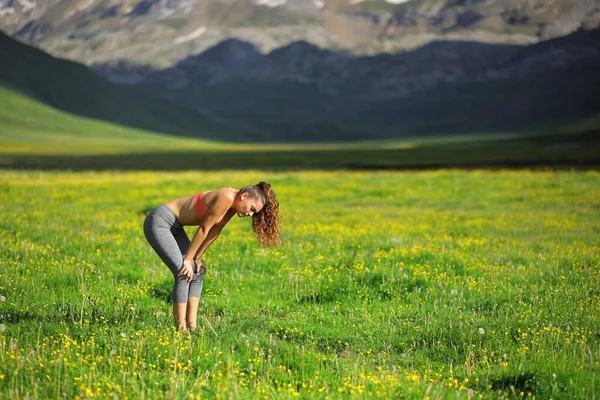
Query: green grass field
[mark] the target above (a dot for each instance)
(441, 284)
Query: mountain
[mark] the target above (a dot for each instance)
(75, 88)
(160, 33)
(304, 70)
(301, 92)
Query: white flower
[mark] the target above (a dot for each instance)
(123, 335)
(159, 314)
(481, 331)
(2, 298)
(2, 327)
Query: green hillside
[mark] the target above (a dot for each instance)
(75, 88)
(31, 127)
(28, 126)
(36, 136)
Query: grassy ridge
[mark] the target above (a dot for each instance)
(435, 284)
(74, 88)
(28, 126)
(34, 135)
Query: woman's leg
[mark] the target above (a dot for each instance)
(194, 299)
(160, 228)
(192, 312)
(179, 311)
(195, 287)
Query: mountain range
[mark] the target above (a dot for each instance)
(336, 78)
(301, 92)
(160, 33)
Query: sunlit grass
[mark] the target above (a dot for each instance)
(439, 284)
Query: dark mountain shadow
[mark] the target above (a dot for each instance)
(303, 93)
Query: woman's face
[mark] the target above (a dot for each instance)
(248, 206)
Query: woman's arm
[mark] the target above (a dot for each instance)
(223, 200)
(213, 234)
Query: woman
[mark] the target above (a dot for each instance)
(210, 210)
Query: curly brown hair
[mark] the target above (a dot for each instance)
(265, 223)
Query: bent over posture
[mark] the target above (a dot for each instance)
(210, 210)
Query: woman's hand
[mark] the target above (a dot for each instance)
(187, 270)
(200, 264)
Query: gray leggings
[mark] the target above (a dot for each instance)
(167, 237)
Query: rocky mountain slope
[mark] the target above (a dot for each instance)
(302, 92)
(159, 33)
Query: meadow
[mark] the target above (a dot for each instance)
(433, 284)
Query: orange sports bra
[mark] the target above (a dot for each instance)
(202, 208)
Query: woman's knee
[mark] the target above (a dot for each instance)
(181, 289)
